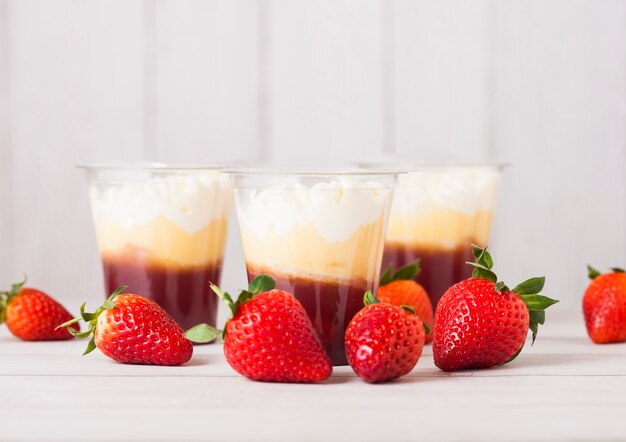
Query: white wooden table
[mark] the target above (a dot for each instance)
(563, 388)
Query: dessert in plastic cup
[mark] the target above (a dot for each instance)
(320, 236)
(439, 211)
(161, 231)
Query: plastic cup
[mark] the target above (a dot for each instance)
(320, 235)
(162, 231)
(438, 212)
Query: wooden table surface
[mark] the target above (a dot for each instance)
(563, 388)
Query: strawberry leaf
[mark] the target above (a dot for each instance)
(5, 298)
(537, 302)
(91, 346)
(426, 328)
(224, 296)
(533, 326)
(408, 308)
(244, 296)
(370, 298)
(261, 283)
(409, 271)
(483, 257)
(86, 316)
(15, 288)
(501, 287)
(592, 273)
(476, 251)
(538, 316)
(202, 333)
(530, 286)
(406, 272)
(480, 271)
(617, 270)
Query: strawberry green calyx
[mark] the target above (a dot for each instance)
(528, 291)
(91, 319)
(409, 271)
(593, 273)
(482, 266)
(204, 333)
(369, 298)
(6, 296)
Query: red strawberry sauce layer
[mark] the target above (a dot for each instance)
(183, 292)
(440, 269)
(330, 304)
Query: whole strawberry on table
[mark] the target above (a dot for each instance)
(399, 288)
(604, 306)
(383, 341)
(33, 315)
(481, 323)
(133, 330)
(269, 337)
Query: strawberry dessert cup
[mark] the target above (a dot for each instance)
(439, 211)
(320, 236)
(161, 231)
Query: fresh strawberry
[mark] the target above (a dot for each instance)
(399, 288)
(134, 330)
(481, 323)
(270, 337)
(383, 341)
(604, 306)
(32, 315)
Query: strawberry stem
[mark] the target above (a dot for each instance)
(203, 333)
(91, 319)
(369, 298)
(7, 296)
(528, 291)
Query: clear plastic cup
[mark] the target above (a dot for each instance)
(320, 236)
(162, 231)
(439, 210)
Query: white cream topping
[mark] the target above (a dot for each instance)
(190, 201)
(334, 208)
(466, 190)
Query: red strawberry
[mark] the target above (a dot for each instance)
(480, 323)
(32, 315)
(604, 306)
(383, 341)
(400, 289)
(134, 330)
(270, 337)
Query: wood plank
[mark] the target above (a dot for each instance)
(75, 97)
(324, 81)
(560, 119)
(562, 342)
(572, 389)
(180, 408)
(442, 80)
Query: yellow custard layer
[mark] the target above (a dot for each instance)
(440, 229)
(163, 240)
(303, 251)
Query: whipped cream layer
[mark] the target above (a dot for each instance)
(332, 230)
(175, 220)
(444, 208)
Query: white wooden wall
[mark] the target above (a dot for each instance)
(540, 84)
